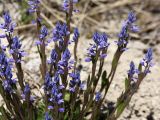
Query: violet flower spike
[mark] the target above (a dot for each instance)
(127, 26)
(8, 25)
(147, 61)
(43, 32)
(101, 44)
(6, 72)
(75, 81)
(33, 5)
(132, 70)
(76, 35)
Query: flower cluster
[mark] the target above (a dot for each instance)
(16, 49)
(147, 61)
(14, 42)
(100, 47)
(75, 81)
(59, 33)
(132, 71)
(63, 64)
(53, 90)
(33, 5)
(6, 73)
(53, 57)
(8, 25)
(76, 35)
(127, 26)
(43, 35)
(26, 93)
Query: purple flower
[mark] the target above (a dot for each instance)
(147, 61)
(101, 40)
(7, 25)
(16, 43)
(66, 55)
(6, 73)
(47, 82)
(33, 4)
(75, 81)
(27, 89)
(131, 17)
(54, 56)
(98, 96)
(76, 35)
(127, 26)
(132, 70)
(2, 36)
(50, 107)
(47, 116)
(53, 89)
(43, 32)
(101, 45)
(38, 42)
(64, 63)
(148, 56)
(60, 32)
(61, 109)
(16, 49)
(26, 92)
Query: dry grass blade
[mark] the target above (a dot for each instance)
(105, 7)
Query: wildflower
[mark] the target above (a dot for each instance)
(47, 116)
(60, 32)
(50, 107)
(132, 70)
(47, 82)
(147, 61)
(64, 63)
(61, 109)
(98, 96)
(16, 49)
(53, 89)
(33, 5)
(6, 73)
(76, 34)
(101, 45)
(8, 25)
(53, 57)
(101, 40)
(26, 93)
(127, 26)
(75, 80)
(43, 32)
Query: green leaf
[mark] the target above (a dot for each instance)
(120, 109)
(41, 111)
(140, 67)
(67, 96)
(77, 110)
(127, 83)
(104, 80)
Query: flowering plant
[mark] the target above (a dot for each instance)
(65, 96)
